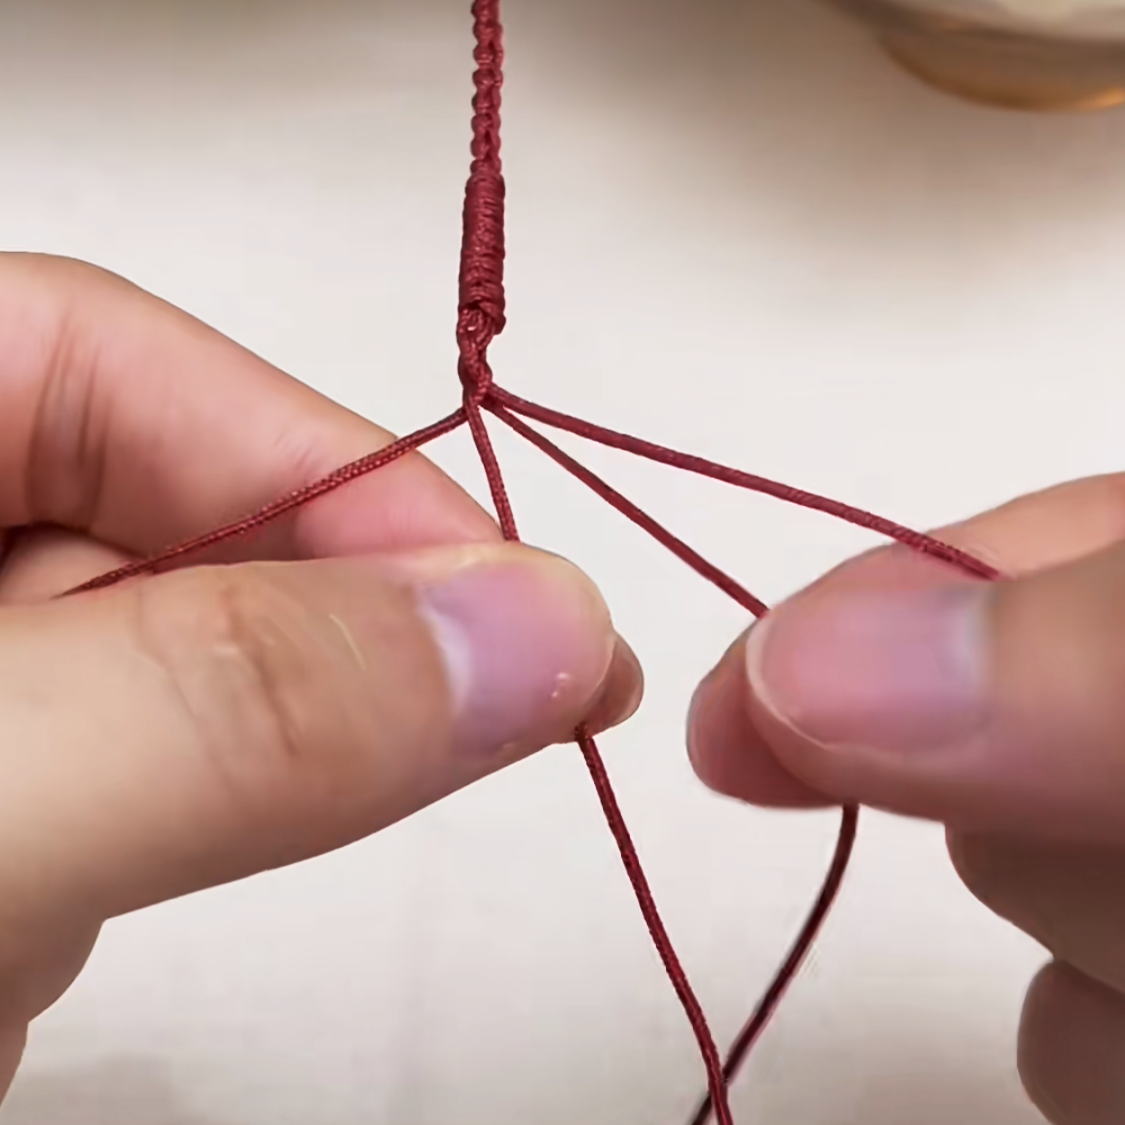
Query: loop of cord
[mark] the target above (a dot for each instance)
(480, 318)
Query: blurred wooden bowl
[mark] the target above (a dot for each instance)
(1021, 54)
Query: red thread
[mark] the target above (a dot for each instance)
(641, 518)
(692, 464)
(481, 302)
(480, 318)
(791, 966)
(716, 1082)
(280, 507)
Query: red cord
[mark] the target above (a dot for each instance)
(480, 318)
(642, 519)
(280, 507)
(687, 462)
(716, 1080)
(791, 966)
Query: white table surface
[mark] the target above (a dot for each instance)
(876, 292)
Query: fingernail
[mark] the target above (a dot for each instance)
(896, 671)
(527, 645)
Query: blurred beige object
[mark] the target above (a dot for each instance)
(1024, 54)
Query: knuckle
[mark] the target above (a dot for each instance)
(1065, 898)
(72, 276)
(1037, 1056)
(1001, 873)
(67, 444)
(1071, 1045)
(975, 861)
(66, 453)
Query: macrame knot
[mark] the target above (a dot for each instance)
(481, 316)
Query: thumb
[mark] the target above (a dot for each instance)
(208, 724)
(989, 706)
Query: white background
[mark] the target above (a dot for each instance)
(874, 292)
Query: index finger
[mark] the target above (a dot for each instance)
(131, 421)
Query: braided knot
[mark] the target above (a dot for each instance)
(480, 314)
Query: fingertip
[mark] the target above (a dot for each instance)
(621, 693)
(861, 683)
(728, 752)
(42, 563)
(1071, 1043)
(527, 642)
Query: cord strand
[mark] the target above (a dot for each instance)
(791, 966)
(631, 511)
(716, 1078)
(280, 507)
(687, 462)
(480, 319)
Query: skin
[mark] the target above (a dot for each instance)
(1033, 799)
(199, 727)
(183, 731)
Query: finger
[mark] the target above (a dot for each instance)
(1072, 1049)
(1028, 534)
(798, 668)
(212, 723)
(129, 420)
(33, 976)
(13, 1040)
(43, 563)
(1068, 898)
(990, 707)
(46, 562)
(621, 693)
(728, 753)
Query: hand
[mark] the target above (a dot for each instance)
(383, 650)
(996, 709)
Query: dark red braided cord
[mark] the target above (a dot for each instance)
(298, 499)
(925, 544)
(632, 512)
(716, 1080)
(791, 966)
(480, 318)
(845, 843)
(481, 302)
